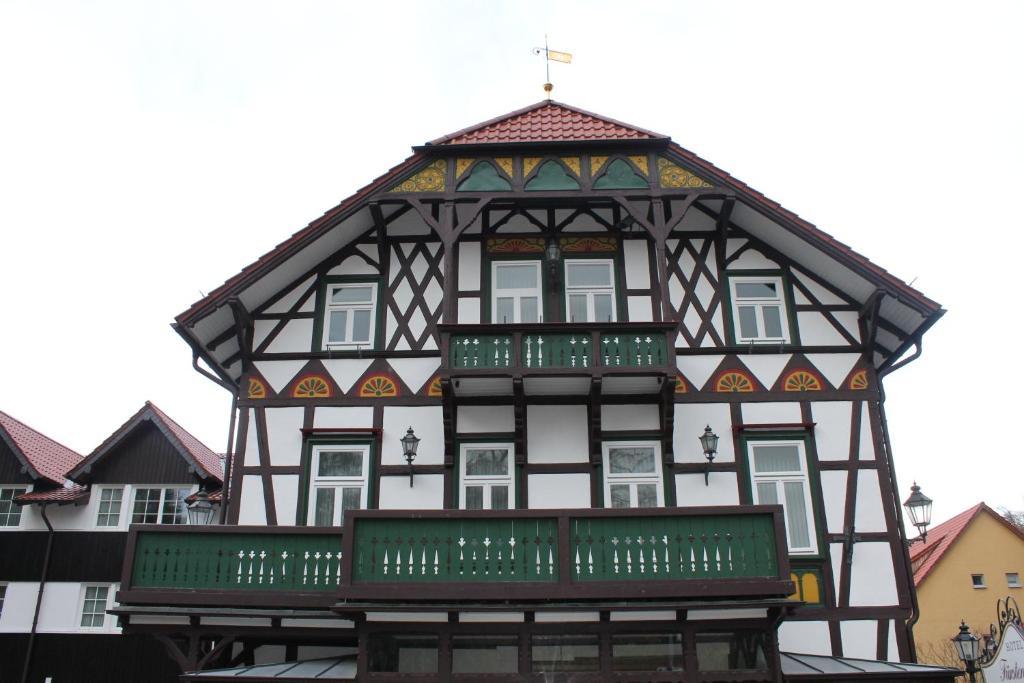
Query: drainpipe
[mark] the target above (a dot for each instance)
(39, 595)
(229, 456)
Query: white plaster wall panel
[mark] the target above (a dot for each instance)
(349, 416)
(286, 498)
(408, 223)
(415, 371)
(469, 266)
(252, 444)
(696, 221)
(637, 262)
(867, 443)
(345, 372)
(771, 413)
(732, 244)
(251, 508)
(870, 513)
(284, 435)
(556, 433)
(815, 330)
(766, 367)
(554, 491)
(427, 492)
(353, 265)
(260, 330)
(833, 491)
(893, 655)
(697, 369)
(872, 577)
(491, 617)
(805, 637)
(643, 615)
(617, 418)
(477, 419)
(19, 606)
(834, 366)
(836, 555)
(639, 309)
(370, 250)
(425, 421)
(719, 324)
(60, 609)
(295, 337)
(690, 420)
(848, 319)
(799, 299)
(285, 303)
(279, 372)
(722, 489)
(817, 291)
(469, 310)
(565, 617)
(407, 616)
(832, 429)
(751, 259)
(860, 638)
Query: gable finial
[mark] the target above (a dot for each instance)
(564, 57)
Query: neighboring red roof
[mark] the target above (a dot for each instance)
(48, 458)
(206, 458)
(58, 495)
(546, 121)
(191, 448)
(215, 496)
(925, 556)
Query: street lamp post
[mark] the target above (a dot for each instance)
(409, 445)
(200, 510)
(919, 507)
(966, 644)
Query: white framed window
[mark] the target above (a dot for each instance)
(95, 602)
(160, 505)
(633, 474)
(516, 292)
(978, 581)
(759, 309)
(108, 509)
(1013, 580)
(590, 290)
(778, 474)
(350, 315)
(486, 476)
(3, 596)
(338, 481)
(10, 512)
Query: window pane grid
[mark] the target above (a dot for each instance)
(590, 291)
(779, 477)
(633, 476)
(516, 292)
(10, 512)
(94, 606)
(109, 513)
(486, 481)
(759, 310)
(350, 313)
(337, 482)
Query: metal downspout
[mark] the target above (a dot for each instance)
(39, 595)
(229, 456)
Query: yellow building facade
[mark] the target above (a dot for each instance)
(967, 564)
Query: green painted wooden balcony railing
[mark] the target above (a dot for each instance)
(580, 349)
(212, 560)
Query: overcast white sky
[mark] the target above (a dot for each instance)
(149, 150)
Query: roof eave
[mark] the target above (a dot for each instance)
(433, 150)
(22, 458)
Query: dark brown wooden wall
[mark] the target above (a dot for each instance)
(143, 457)
(87, 658)
(76, 556)
(10, 467)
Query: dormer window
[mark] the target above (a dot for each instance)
(759, 310)
(350, 314)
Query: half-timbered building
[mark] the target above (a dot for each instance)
(63, 528)
(557, 306)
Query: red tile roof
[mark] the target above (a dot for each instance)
(48, 458)
(546, 121)
(69, 494)
(192, 449)
(925, 556)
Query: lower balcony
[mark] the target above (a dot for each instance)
(388, 558)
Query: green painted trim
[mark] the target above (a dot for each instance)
(321, 306)
(813, 480)
(484, 177)
(787, 294)
(517, 474)
(619, 174)
(302, 509)
(551, 175)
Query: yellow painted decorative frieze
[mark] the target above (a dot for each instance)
(859, 380)
(588, 244)
(313, 386)
(801, 380)
(505, 164)
(734, 381)
(515, 245)
(257, 389)
(676, 177)
(573, 163)
(640, 161)
(530, 163)
(435, 387)
(681, 387)
(461, 165)
(429, 179)
(378, 386)
(597, 163)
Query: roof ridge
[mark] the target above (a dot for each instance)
(49, 458)
(48, 438)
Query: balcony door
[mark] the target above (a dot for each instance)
(515, 292)
(590, 290)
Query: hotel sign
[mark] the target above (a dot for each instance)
(1008, 663)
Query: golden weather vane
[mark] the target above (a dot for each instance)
(549, 56)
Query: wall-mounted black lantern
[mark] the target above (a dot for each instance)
(553, 256)
(967, 648)
(200, 510)
(410, 442)
(709, 442)
(919, 507)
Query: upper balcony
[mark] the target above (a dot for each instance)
(562, 358)
(395, 559)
